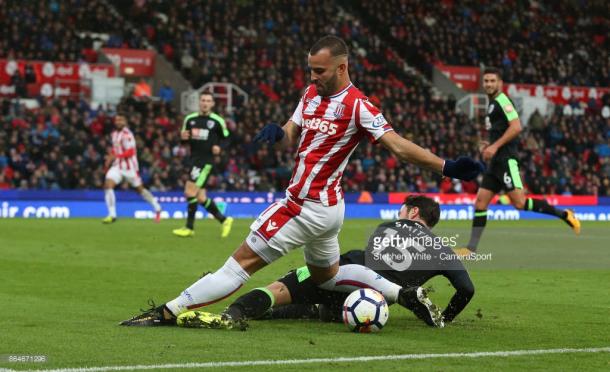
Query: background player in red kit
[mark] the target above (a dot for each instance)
(327, 125)
(123, 162)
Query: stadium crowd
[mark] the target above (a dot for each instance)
(50, 31)
(545, 42)
(62, 144)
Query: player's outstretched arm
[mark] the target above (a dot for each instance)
(463, 168)
(291, 134)
(281, 137)
(408, 151)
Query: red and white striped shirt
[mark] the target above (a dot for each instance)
(124, 150)
(331, 128)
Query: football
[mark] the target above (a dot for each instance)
(365, 311)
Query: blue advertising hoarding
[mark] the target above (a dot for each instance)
(76, 204)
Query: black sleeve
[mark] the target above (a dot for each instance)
(352, 257)
(464, 291)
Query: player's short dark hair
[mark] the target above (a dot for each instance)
(429, 210)
(121, 113)
(493, 70)
(206, 93)
(335, 45)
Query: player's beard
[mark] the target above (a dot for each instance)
(328, 88)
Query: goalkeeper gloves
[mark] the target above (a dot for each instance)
(271, 133)
(463, 168)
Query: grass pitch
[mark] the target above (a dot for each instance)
(65, 284)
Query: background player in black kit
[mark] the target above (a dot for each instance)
(500, 152)
(297, 296)
(204, 131)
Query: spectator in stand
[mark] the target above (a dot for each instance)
(166, 93)
(142, 89)
(536, 121)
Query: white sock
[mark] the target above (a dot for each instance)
(146, 195)
(352, 277)
(110, 202)
(211, 288)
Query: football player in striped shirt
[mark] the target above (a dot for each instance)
(296, 296)
(329, 121)
(122, 165)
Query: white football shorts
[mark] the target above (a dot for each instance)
(288, 224)
(117, 175)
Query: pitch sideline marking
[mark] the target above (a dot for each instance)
(270, 362)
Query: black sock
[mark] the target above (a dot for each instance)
(252, 305)
(542, 206)
(212, 208)
(192, 209)
(478, 225)
(297, 311)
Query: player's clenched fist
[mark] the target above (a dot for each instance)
(271, 133)
(463, 168)
(185, 135)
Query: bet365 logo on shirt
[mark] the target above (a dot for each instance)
(319, 125)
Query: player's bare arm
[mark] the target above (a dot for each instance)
(291, 135)
(406, 150)
(109, 159)
(463, 168)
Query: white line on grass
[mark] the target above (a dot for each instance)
(250, 363)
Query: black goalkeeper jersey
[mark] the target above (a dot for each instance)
(432, 260)
(206, 131)
(425, 256)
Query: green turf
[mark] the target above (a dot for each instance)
(65, 284)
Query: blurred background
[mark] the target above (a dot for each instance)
(66, 65)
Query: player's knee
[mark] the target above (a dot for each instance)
(280, 293)
(319, 280)
(519, 203)
(481, 204)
